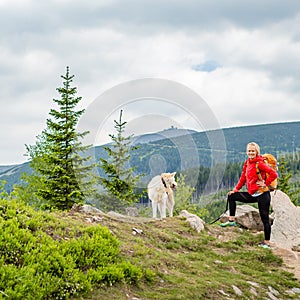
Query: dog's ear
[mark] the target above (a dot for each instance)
(173, 174)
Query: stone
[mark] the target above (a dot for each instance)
(237, 291)
(88, 209)
(247, 216)
(194, 221)
(132, 211)
(286, 225)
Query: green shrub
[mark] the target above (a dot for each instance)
(46, 258)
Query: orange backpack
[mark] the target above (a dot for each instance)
(271, 161)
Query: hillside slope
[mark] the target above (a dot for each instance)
(74, 255)
(213, 264)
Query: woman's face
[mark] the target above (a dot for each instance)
(251, 152)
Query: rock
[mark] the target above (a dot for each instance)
(296, 248)
(97, 219)
(284, 252)
(253, 291)
(223, 293)
(137, 231)
(286, 225)
(247, 216)
(296, 290)
(271, 296)
(116, 215)
(194, 221)
(132, 211)
(237, 291)
(254, 284)
(273, 291)
(94, 219)
(85, 209)
(218, 262)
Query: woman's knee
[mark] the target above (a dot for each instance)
(265, 218)
(231, 198)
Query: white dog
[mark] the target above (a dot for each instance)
(160, 192)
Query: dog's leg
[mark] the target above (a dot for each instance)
(154, 209)
(170, 203)
(159, 208)
(163, 212)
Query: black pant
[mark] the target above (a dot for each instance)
(263, 201)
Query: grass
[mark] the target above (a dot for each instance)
(132, 258)
(184, 264)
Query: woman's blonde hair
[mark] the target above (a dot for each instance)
(257, 148)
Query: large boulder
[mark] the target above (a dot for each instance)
(286, 225)
(247, 216)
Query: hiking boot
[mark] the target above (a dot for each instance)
(228, 223)
(264, 245)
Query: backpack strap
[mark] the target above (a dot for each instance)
(258, 171)
(259, 177)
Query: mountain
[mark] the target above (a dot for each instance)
(5, 168)
(176, 149)
(11, 174)
(171, 132)
(216, 146)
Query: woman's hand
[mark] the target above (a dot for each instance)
(261, 183)
(230, 193)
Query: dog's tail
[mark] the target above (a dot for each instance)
(221, 214)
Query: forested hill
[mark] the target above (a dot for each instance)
(182, 152)
(227, 145)
(277, 138)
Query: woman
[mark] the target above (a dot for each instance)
(257, 190)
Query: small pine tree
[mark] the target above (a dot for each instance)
(284, 181)
(3, 193)
(183, 196)
(120, 181)
(31, 182)
(63, 176)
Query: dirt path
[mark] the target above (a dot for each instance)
(291, 259)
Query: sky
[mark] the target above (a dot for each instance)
(191, 64)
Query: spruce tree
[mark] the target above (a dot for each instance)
(183, 196)
(120, 181)
(284, 181)
(63, 173)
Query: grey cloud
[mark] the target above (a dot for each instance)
(48, 16)
(108, 42)
(200, 13)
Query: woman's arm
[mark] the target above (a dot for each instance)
(272, 173)
(242, 179)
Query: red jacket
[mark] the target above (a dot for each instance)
(250, 177)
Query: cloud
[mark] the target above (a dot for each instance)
(239, 56)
